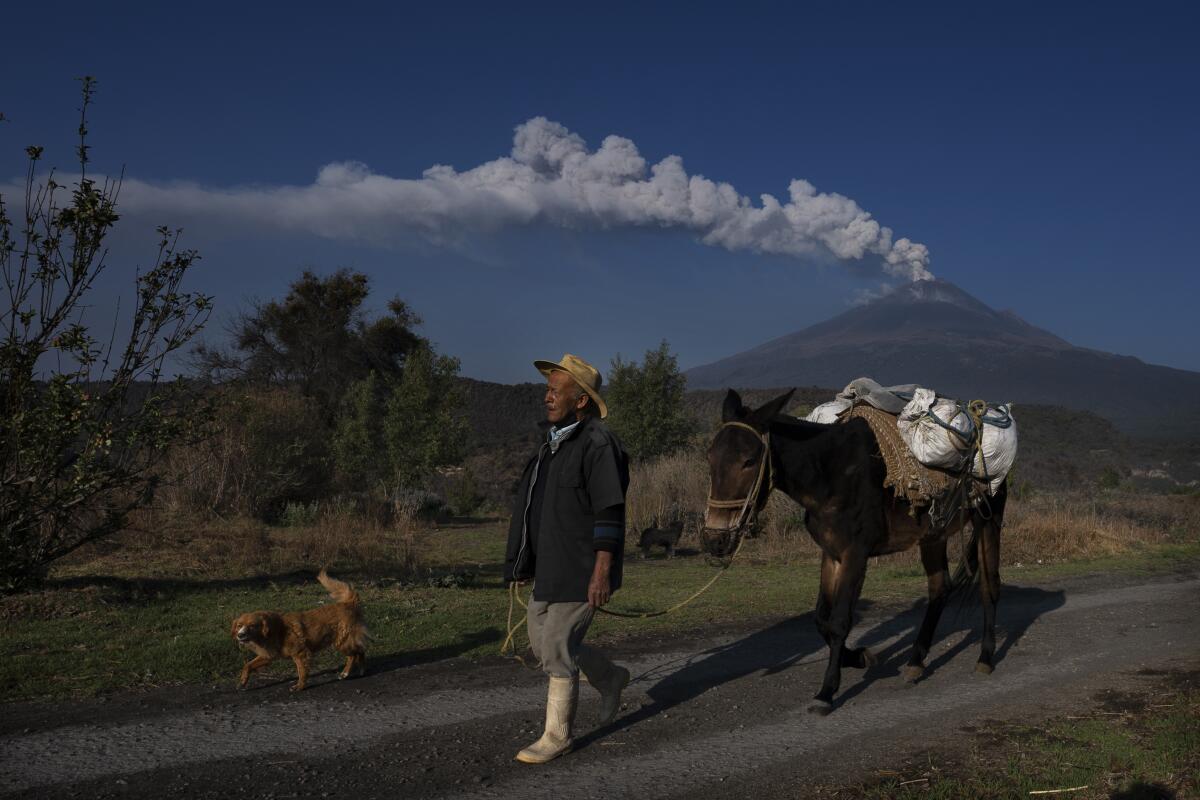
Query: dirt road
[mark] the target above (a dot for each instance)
(723, 715)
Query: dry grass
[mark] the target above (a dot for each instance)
(170, 546)
(1059, 527)
(666, 489)
(1042, 528)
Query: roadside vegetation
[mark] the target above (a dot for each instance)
(151, 606)
(1137, 744)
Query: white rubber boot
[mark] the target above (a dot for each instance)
(561, 701)
(610, 694)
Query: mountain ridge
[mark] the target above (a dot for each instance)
(935, 334)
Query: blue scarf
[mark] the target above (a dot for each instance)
(556, 435)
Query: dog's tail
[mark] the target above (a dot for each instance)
(339, 591)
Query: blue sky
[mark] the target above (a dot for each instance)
(1045, 154)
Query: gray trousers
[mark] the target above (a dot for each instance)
(556, 632)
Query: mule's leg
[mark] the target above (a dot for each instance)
(933, 559)
(835, 627)
(989, 578)
(856, 657)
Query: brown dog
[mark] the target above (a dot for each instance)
(299, 634)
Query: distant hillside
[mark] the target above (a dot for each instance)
(1059, 447)
(935, 334)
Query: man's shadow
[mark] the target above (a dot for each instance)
(786, 643)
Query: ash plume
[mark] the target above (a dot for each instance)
(550, 177)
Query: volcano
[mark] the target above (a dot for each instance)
(935, 334)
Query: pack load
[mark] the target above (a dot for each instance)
(940, 433)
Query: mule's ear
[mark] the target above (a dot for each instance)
(762, 415)
(732, 408)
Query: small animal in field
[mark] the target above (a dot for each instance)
(665, 537)
(272, 635)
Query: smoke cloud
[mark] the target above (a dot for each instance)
(552, 178)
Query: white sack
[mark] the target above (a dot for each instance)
(827, 413)
(933, 445)
(998, 449)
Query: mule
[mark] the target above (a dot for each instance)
(837, 474)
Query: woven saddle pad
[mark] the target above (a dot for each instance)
(909, 478)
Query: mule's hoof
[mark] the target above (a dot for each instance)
(985, 669)
(819, 708)
(913, 672)
(869, 659)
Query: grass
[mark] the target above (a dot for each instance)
(153, 609)
(1140, 745)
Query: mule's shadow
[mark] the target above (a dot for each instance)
(786, 643)
(770, 650)
(1018, 608)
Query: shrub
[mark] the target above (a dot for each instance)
(80, 441)
(393, 433)
(646, 404)
(463, 494)
(268, 450)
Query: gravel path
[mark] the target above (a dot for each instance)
(718, 715)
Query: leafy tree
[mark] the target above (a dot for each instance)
(423, 427)
(358, 454)
(318, 338)
(646, 404)
(394, 433)
(83, 422)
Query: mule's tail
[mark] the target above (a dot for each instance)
(338, 590)
(964, 582)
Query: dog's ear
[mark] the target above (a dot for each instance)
(264, 626)
(233, 628)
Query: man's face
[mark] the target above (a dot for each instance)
(563, 397)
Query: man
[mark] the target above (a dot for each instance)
(568, 535)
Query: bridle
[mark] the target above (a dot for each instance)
(766, 476)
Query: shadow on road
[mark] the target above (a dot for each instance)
(388, 662)
(786, 643)
(1019, 607)
(770, 650)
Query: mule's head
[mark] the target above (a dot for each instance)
(739, 472)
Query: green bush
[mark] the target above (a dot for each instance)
(300, 515)
(397, 433)
(646, 408)
(463, 495)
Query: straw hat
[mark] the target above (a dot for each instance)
(587, 376)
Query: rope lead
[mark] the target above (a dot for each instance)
(508, 649)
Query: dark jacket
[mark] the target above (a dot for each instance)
(590, 472)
